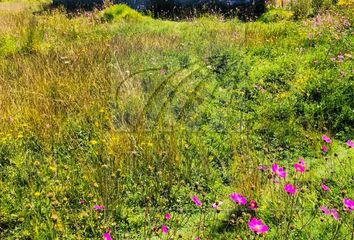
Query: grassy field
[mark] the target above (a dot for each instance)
(110, 120)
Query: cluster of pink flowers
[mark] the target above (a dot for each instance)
(281, 173)
(164, 228)
(340, 57)
(256, 225)
(348, 203)
(326, 139)
(106, 235)
(241, 200)
(332, 212)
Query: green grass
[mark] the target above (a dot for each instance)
(139, 114)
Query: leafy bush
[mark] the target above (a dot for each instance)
(276, 15)
(301, 8)
(120, 11)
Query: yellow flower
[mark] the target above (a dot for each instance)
(20, 135)
(93, 142)
(83, 214)
(59, 227)
(55, 216)
(37, 194)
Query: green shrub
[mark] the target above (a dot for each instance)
(302, 8)
(7, 45)
(121, 11)
(276, 15)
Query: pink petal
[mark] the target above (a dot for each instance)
(325, 210)
(325, 187)
(350, 144)
(164, 229)
(107, 236)
(335, 214)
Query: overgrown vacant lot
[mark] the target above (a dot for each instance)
(114, 124)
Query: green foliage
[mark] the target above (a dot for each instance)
(276, 15)
(121, 11)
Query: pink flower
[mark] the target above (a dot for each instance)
(290, 189)
(257, 226)
(299, 168)
(279, 171)
(326, 139)
(164, 229)
(98, 207)
(238, 198)
(301, 161)
(324, 149)
(335, 214)
(253, 205)
(262, 168)
(348, 204)
(168, 216)
(216, 205)
(332, 212)
(350, 143)
(107, 236)
(325, 210)
(325, 187)
(196, 200)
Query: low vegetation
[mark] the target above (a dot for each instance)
(116, 125)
